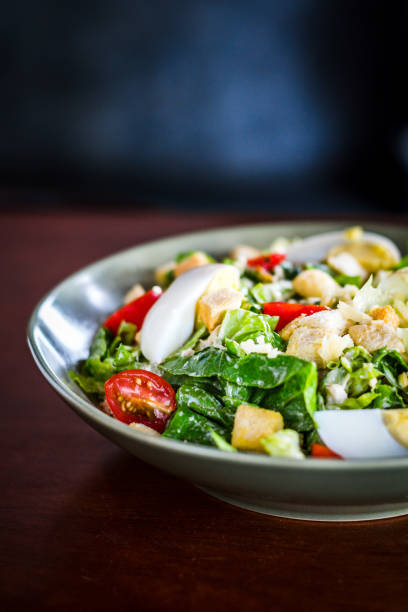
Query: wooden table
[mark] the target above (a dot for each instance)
(85, 526)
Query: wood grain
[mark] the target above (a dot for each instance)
(84, 526)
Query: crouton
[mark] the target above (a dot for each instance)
(251, 424)
(386, 314)
(135, 292)
(316, 283)
(161, 274)
(396, 421)
(375, 335)
(193, 261)
(244, 252)
(330, 320)
(318, 345)
(212, 306)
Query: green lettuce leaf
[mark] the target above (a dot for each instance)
(387, 397)
(295, 399)
(87, 383)
(206, 363)
(239, 325)
(283, 443)
(363, 401)
(197, 399)
(189, 426)
(272, 292)
(391, 363)
(344, 279)
(198, 413)
(221, 443)
(258, 370)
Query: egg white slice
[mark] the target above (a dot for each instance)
(357, 434)
(315, 248)
(170, 321)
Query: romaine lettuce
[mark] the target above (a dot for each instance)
(283, 443)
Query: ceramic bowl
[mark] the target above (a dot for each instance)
(61, 329)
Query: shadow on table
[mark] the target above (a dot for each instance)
(134, 536)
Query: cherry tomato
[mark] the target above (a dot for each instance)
(134, 312)
(268, 262)
(139, 396)
(287, 312)
(321, 451)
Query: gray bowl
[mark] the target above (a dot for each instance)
(60, 332)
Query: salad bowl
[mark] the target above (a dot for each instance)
(61, 330)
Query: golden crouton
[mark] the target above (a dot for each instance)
(330, 320)
(244, 252)
(212, 306)
(396, 421)
(135, 292)
(316, 283)
(251, 424)
(193, 261)
(386, 314)
(376, 335)
(318, 345)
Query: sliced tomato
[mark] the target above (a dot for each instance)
(287, 312)
(139, 396)
(268, 262)
(321, 451)
(134, 312)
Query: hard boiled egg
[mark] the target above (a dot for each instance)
(370, 250)
(170, 322)
(364, 434)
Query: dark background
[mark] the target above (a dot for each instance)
(282, 106)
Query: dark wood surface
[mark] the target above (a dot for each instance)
(85, 526)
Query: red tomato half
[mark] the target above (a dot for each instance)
(287, 312)
(268, 262)
(139, 396)
(321, 451)
(134, 312)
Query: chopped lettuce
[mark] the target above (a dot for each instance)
(107, 357)
(253, 370)
(371, 381)
(189, 426)
(362, 401)
(198, 414)
(295, 399)
(395, 284)
(272, 292)
(240, 325)
(283, 443)
(220, 442)
(344, 279)
(87, 383)
(202, 402)
(391, 364)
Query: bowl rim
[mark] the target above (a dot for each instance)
(85, 407)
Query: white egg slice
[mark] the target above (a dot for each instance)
(358, 434)
(170, 321)
(315, 248)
